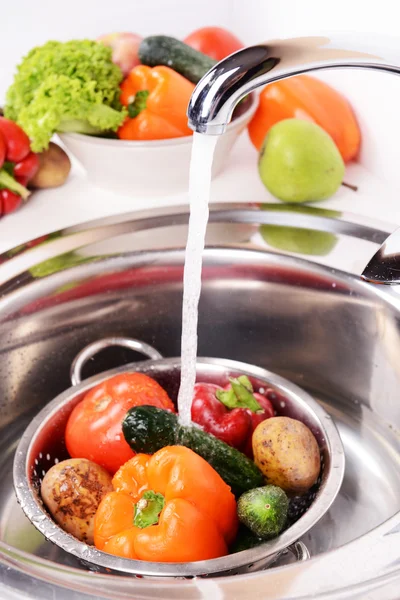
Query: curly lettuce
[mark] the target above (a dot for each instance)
(66, 86)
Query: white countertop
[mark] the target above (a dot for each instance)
(78, 201)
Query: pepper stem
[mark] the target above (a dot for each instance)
(148, 509)
(138, 104)
(240, 395)
(8, 182)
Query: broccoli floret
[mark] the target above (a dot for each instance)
(71, 86)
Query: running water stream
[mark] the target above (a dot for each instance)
(199, 194)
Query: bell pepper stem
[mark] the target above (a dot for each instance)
(138, 104)
(8, 182)
(148, 509)
(240, 395)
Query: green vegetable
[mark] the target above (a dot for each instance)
(244, 540)
(139, 103)
(164, 50)
(9, 183)
(148, 509)
(148, 429)
(65, 86)
(264, 510)
(240, 395)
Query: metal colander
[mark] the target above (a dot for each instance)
(42, 445)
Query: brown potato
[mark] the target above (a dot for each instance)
(72, 491)
(54, 168)
(287, 453)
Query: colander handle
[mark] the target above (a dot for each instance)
(92, 349)
(300, 551)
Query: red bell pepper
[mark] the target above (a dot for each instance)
(17, 142)
(27, 167)
(231, 413)
(9, 202)
(17, 166)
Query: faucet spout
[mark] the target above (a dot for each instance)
(219, 91)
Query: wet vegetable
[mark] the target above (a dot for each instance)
(287, 453)
(231, 413)
(54, 168)
(148, 429)
(245, 540)
(171, 507)
(72, 491)
(94, 428)
(264, 510)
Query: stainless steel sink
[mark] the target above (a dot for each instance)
(308, 317)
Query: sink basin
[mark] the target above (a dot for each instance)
(307, 317)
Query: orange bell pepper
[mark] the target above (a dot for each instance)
(170, 507)
(157, 99)
(306, 97)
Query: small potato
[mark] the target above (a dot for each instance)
(287, 453)
(72, 491)
(54, 168)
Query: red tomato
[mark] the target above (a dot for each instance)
(214, 41)
(94, 428)
(17, 142)
(9, 201)
(27, 167)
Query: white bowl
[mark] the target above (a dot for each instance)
(149, 168)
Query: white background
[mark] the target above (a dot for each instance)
(375, 97)
(25, 23)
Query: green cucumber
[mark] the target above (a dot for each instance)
(148, 429)
(245, 540)
(264, 510)
(164, 50)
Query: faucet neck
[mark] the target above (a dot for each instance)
(219, 91)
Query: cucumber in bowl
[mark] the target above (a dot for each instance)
(165, 50)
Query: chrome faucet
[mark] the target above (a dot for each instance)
(219, 91)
